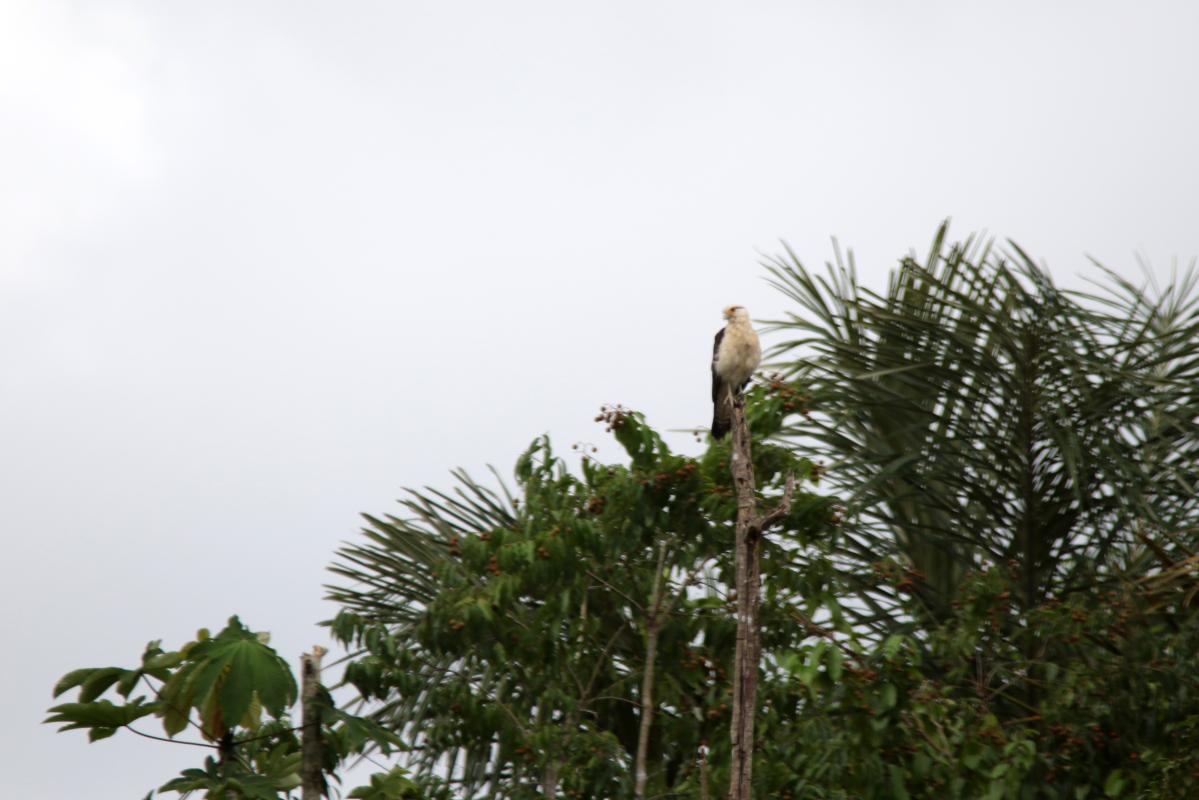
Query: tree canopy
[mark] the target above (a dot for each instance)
(996, 599)
(986, 589)
(517, 663)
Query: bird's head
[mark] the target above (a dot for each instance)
(736, 313)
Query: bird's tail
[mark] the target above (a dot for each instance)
(722, 419)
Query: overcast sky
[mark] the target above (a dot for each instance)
(263, 264)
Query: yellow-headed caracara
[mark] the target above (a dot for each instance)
(735, 356)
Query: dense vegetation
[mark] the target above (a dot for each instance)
(987, 591)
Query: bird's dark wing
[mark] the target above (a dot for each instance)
(721, 413)
(716, 382)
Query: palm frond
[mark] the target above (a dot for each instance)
(976, 413)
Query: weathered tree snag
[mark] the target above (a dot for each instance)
(750, 526)
(312, 782)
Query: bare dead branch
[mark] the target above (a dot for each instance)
(750, 526)
(312, 779)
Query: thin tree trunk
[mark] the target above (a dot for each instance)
(549, 772)
(748, 570)
(745, 664)
(653, 624)
(312, 780)
(226, 754)
(549, 781)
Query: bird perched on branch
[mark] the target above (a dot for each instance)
(735, 356)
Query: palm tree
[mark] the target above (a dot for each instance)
(976, 414)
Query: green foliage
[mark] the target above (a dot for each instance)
(1002, 604)
(228, 680)
(976, 414)
(100, 718)
(1089, 695)
(1005, 608)
(219, 685)
(1018, 463)
(393, 785)
(275, 775)
(506, 636)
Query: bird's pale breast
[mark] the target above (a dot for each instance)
(739, 354)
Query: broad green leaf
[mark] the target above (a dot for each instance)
(889, 696)
(100, 713)
(99, 732)
(1114, 785)
(98, 683)
(162, 661)
(836, 665)
(891, 645)
(72, 679)
(898, 789)
(972, 755)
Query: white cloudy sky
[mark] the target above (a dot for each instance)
(262, 264)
